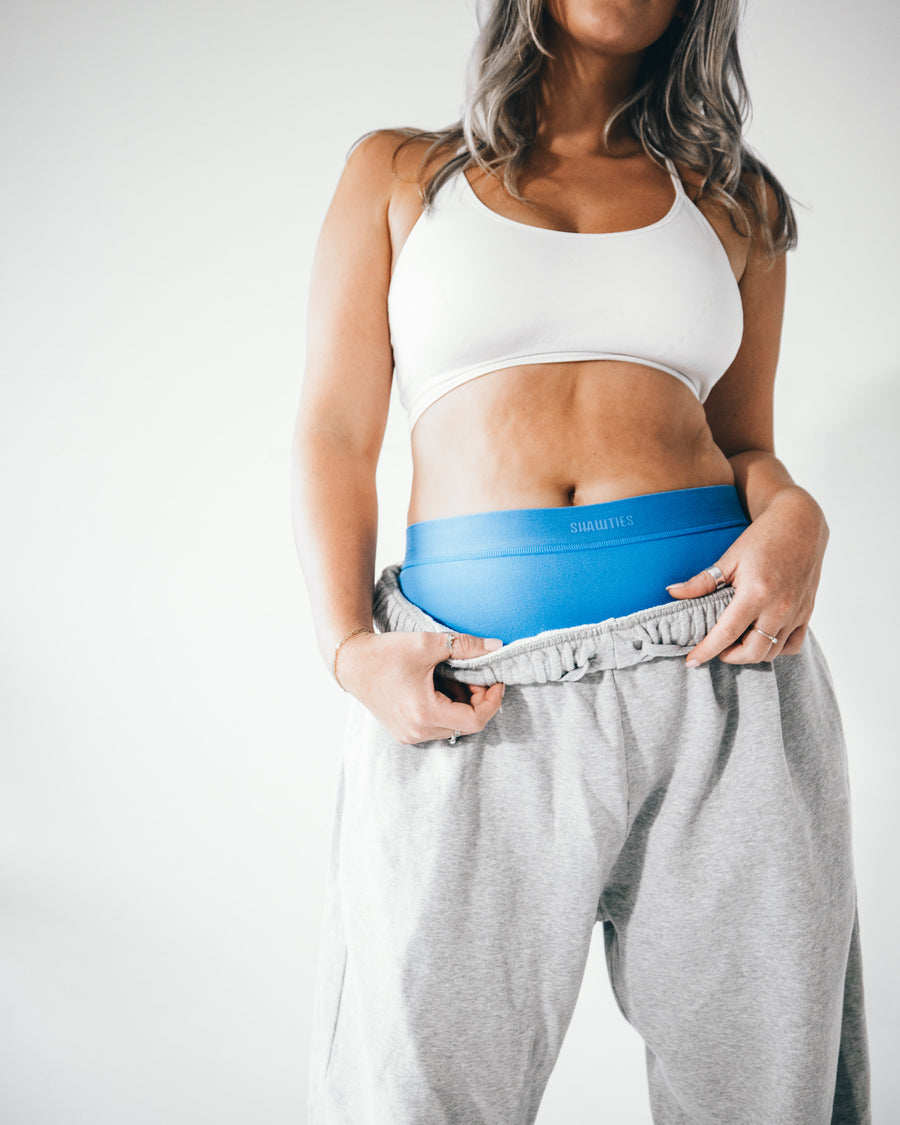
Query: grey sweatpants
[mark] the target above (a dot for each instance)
(700, 815)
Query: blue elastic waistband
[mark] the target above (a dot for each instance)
(522, 531)
(517, 573)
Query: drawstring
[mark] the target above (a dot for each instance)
(627, 653)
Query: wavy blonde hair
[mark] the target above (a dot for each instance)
(690, 103)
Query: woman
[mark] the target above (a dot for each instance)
(579, 288)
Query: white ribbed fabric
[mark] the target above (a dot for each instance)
(474, 292)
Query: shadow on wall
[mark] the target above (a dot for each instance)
(853, 468)
(855, 465)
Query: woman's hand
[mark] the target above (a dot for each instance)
(774, 567)
(393, 676)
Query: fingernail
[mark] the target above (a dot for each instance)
(491, 643)
(675, 585)
(692, 663)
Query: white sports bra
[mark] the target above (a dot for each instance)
(474, 292)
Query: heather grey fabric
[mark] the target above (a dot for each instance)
(700, 816)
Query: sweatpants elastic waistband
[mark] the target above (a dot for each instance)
(655, 515)
(562, 654)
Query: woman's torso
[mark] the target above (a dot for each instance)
(567, 432)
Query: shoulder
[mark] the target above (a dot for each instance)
(379, 194)
(390, 156)
(765, 213)
(753, 220)
(373, 167)
(756, 187)
(374, 151)
(368, 166)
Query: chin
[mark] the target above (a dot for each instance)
(613, 26)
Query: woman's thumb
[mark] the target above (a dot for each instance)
(701, 584)
(465, 646)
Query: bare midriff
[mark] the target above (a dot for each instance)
(553, 435)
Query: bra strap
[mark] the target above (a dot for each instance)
(676, 179)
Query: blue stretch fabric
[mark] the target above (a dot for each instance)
(516, 573)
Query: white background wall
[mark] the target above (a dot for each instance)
(168, 756)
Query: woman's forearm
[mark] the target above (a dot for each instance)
(335, 522)
(762, 479)
(335, 517)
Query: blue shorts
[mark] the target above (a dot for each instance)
(516, 573)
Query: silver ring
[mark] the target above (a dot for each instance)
(451, 637)
(717, 576)
(772, 640)
(453, 737)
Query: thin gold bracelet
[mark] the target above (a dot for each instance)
(337, 649)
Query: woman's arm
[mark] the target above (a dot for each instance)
(344, 403)
(337, 439)
(774, 566)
